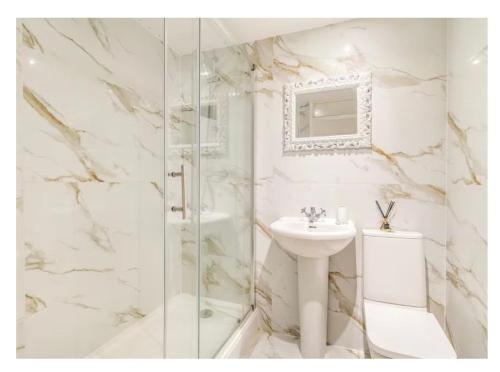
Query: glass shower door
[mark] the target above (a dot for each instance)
(209, 200)
(182, 188)
(226, 174)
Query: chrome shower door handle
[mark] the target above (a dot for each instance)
(183, 192)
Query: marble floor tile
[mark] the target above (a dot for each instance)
(277, 346)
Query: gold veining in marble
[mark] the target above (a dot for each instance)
(80, 304)
(71, 137)
(29, 39)
(455, 276)
(132, 313)
(391, 77)
(78, 157)
(99, 30)
(214, 245)
(98, 233)
(34, 259)
(34, 304)
(147, 149)
(132, 102)
(435, 193)
(346, 305)
(158, 188)
(79, 46)
(473, 167)
(214, 275)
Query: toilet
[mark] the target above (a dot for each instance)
(398, 324)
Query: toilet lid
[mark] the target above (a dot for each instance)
(404, 332)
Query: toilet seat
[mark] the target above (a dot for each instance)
(396, 331)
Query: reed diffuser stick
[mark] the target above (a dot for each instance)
(385, 216)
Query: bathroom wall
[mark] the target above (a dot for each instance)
(466, 270)
(406, 163)
(90, 181)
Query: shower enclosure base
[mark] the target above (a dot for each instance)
(144, 339)
(242, 341)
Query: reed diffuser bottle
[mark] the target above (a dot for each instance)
(385, 226)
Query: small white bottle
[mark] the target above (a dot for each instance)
(341, 215)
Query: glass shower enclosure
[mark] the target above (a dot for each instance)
(134, 187)
(209, 166)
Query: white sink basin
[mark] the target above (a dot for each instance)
(324, 239)
(313, 245)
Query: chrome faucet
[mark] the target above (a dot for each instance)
(312, 215)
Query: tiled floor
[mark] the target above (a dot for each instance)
(277, 346)
(144, 338)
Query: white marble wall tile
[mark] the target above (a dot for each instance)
(467, 240)
(150, 228)
(90, 141)
(70, 144)
(81, 266)
(406, 163)
(263, 277)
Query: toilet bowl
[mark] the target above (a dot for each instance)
(403, 332)
(398, 324)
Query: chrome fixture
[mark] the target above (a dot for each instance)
(183, 193)
(312, 215)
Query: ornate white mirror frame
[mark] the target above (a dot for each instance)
(208, 149)
(361, 139)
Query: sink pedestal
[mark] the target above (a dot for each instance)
(313, 245)
(313, 305)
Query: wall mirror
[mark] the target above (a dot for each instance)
(328, 114)
(213, 127)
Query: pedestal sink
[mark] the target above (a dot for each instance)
(313, 244)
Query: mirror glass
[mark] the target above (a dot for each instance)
(185, 115)
(326, 112)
